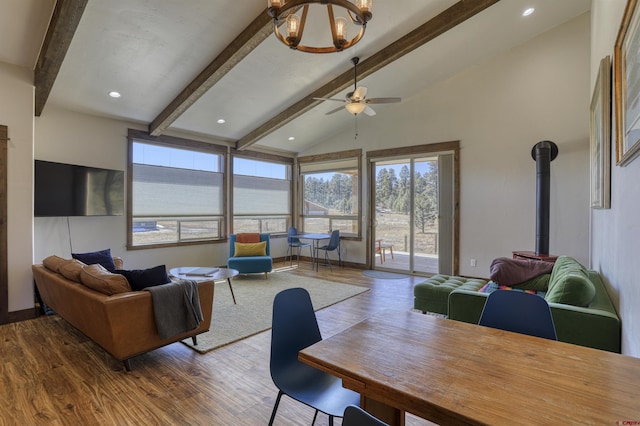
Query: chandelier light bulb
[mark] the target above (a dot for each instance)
(293, 26)
(341, 29)
(364, 5)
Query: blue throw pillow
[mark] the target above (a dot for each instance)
(139, 279)
(102, 257)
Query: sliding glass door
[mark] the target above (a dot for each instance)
(413, 215)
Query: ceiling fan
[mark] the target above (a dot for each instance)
(356, 102)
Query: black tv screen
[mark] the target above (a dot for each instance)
(71, 190)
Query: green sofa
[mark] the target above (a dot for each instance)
(595, 324)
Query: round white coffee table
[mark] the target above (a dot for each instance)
(184, 273)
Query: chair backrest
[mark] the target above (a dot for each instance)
(356, 416)
(293, 328)
(520, 312)
(292, 238)
(263, 237)
(334, 242)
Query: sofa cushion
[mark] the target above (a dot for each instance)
(251, 265)
(250, 249)
(102, 257)
(539, 283)
(140, 279)
(71, 269)
(53, 262)
(570, 284)
(432, 295)
(98, 278)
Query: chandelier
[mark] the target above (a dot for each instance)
(286, 11)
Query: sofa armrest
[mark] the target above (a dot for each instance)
(589, 327)
(466, 305)
(131, 328)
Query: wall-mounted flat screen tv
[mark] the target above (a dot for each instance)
(71, 190)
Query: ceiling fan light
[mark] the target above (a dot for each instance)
(275, 3)
(355, 108)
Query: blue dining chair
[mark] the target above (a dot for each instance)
(520, 312)
(334, 244)
(294, 243)
(294, 327)
(356, 416)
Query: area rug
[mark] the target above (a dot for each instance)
(254, 297)
(383, 275)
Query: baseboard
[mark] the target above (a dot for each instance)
(23, 315)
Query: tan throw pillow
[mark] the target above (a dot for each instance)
(99, 279)
(70, 269)
(53, 262)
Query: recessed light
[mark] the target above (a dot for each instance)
(291, 138)
(114, 94)
(221, 121)
(528, 11)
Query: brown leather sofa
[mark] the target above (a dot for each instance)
(122, 324)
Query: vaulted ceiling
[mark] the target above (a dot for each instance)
(183, 65)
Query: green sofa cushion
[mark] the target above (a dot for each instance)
(432, 295)
(539, 283)
(570, 284)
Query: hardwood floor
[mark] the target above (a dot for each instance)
(52, 374)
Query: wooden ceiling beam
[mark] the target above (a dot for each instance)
(249, 39)
(64, 22)
(443, 22)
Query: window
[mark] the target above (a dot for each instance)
(330, 188)
(176, 193)
(261, 195)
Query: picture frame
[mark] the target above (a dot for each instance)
(600, 137)
(627, 85)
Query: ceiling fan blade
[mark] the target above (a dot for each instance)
(329, 99)
(383, 100)
(359, 94)
(340, 108)
(369, 111)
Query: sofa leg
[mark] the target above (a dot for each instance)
(194, 340)
(266, 275)
(127, 364)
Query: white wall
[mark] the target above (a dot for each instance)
(499, 110)
(16, 112)
(616, 231)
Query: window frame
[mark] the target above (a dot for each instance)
(327, 160)
(179, 143)
(269, 158)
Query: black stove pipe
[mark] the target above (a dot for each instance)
(543, 153)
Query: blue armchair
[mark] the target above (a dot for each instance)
(250, 264)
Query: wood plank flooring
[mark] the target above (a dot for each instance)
(51, 374)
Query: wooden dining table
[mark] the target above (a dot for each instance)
(450, 373)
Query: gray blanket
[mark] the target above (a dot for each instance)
(176, 307)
